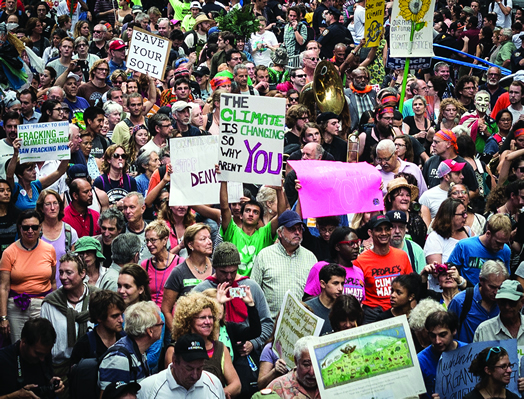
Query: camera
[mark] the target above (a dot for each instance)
(237, 292)
(82, 64)
(46, 391)
(441, 268)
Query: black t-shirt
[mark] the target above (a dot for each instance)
(38, 374)
(430, 172)
(106, 250)
(182, 280)
(317, 245)
(8, 228)
(338, 148)
(82, 349)
(297, 156)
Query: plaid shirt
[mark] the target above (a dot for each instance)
(277, 272)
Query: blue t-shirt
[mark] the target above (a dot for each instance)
(77, 108)
(428, 360)
(470, 254)
(23, 201)
(142, 184)
(477, 314)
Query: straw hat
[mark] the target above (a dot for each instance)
(400, 182)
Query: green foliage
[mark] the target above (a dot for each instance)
(240, 22)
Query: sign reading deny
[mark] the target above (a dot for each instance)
(148, 53)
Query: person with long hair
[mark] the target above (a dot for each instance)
(90, 249)
(54, 231)
(196, 268)
(214, 100)
(52, 111)
(198, 314)
(138, 138)
(115, 180)
(178, 219)
(267, 197)
(450, 112)
(162, 262)
(511, 150)
(346, 313)
(404, 148)
(82, 30)
(133, 287)
(475, 221)
(27, 275)
(484, 47)
(34, 31)
(146, 163)
(47, 80)
(436, 88)
(504, 120)
(492, 366)
(419, 126)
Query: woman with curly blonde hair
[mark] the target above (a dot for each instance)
(450, 112)
(198, 314)
(115, 180)
(82, 29)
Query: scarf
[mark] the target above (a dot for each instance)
(448, 135)
(58, 299)
(72, 7)
(366, 90)
(236, 309)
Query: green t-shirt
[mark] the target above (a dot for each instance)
(248, 246)
(181, 9)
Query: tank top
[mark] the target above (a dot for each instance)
(215, 364)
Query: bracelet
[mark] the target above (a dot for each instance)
(3, 318)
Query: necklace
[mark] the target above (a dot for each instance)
(198, 271)
(27, 249)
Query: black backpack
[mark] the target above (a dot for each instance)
(310, 36)
(83, 378)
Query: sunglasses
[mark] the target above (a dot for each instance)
(463, 214)
(123, 156)
(495, 349)
(300, 76)
(33, 227)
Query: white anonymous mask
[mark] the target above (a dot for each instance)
(482, 102)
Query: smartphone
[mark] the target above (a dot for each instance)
(237, 292)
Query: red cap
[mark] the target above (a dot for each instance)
(117, 44)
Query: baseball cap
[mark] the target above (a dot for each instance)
(136, 9)
(510, 289)
(191, 347)
(116, 389)
(195, 4)
(73, 75)
(201, 71)
(377, 220)
(397, 217)
(448, 166)
(77, 172)
(289, 219)
(180, 106)
(117, 44)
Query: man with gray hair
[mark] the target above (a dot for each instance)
(111, 223)
(507, 48)
(143, 328)
(56, 93)
(302, 378)
(134, 208)
(181, 111)
(389, 164)
(309, 60)
(478, 304)
(98, 45)
(241, 77)
(124, 249)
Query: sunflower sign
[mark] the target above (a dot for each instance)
(411, 33)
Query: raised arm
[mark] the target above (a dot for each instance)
(46, 181)
(225, 212)
(281, 207)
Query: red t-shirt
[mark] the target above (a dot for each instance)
(87, 226)
(379, 272)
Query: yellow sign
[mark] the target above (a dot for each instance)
(374, 22)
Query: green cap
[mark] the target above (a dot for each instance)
(87, 243)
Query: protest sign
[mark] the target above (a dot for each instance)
(46, 141)
(414, 63)
(374, 22)
(340, 187)
(294, 322)
(411, 32)
(453, 378)
(376, 360)
(148, 53)
(194, 181)
(251, 140)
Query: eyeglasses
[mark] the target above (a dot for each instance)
(33, 227)
(58, 109)
(312, 59)
(204, 318)
(158, 324)
(123, 156)
(103, 69)
(380, 160)
(166, 125)
(493, 74)
(353, 243)
(495, 349)
(463, 214)
(48, 204)
(152, 240)
(506, 366)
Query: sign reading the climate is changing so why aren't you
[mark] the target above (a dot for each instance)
(44, 142)
(148, 53)
(251, 138)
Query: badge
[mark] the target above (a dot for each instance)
(517, 54)
(279, 6)
(325, 33)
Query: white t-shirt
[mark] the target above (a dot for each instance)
(263, 56)
(190, 39)
(433, 198)
(436, 244)
(503, 21)
(359, 19)
(6, 152)
(516, 114)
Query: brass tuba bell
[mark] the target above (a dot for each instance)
(327, 87)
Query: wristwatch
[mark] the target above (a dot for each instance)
(3, 318)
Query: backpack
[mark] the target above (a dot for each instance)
(466, 306)
(68, 239)
(310, 36)
(83, 378)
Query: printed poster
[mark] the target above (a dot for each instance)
(376, 360)
(48, 141)
(374, 24)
